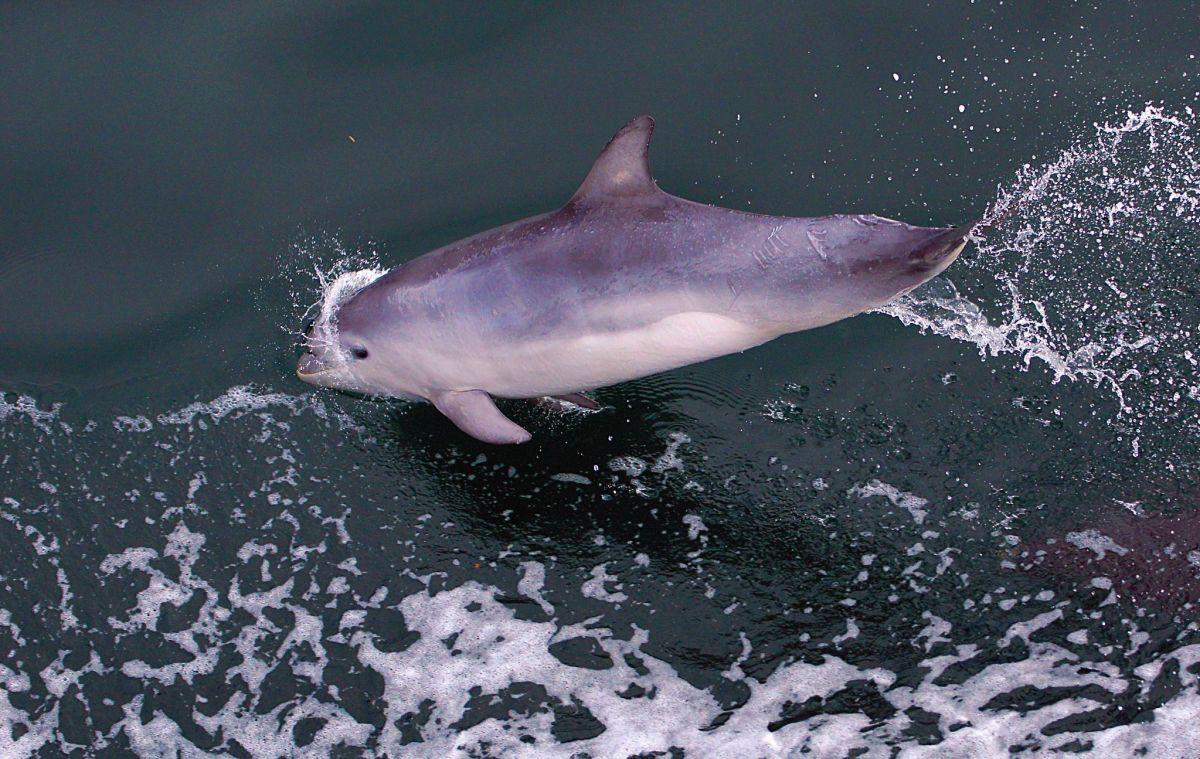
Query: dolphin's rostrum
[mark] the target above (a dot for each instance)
(621, 282)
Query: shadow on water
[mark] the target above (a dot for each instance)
(733, 546)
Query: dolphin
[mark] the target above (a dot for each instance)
(622, 282)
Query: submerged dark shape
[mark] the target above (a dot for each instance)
(1151, 561)
(621, 282)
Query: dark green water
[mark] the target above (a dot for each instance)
(966, 526)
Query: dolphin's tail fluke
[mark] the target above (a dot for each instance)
(944, 246)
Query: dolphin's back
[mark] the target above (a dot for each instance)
(562, 271)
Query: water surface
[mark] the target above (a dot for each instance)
(966, 525)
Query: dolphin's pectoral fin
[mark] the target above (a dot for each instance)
(571, 399)
(578, 399)
(474, 412)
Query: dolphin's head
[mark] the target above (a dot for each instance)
(329, 360)
(342, 345)
(871, 260)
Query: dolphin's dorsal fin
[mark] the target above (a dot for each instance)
(623, 168)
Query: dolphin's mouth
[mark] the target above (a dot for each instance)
(310, 366)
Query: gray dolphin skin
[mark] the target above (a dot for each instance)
(622, 282)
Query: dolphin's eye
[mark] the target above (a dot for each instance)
(359, 351)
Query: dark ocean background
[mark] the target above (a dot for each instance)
(968, 525)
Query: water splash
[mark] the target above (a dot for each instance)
(333, 269)
(1095, 262)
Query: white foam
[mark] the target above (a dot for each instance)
(239, 400)
(695, 526)
(1095, 541)
(596, 587)
(493, 649)
(670, 458)
(137, 423)
(25, 407)
(914, 505)
(530, 585)
(571, 477)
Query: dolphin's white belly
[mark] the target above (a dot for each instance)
(596, 359)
